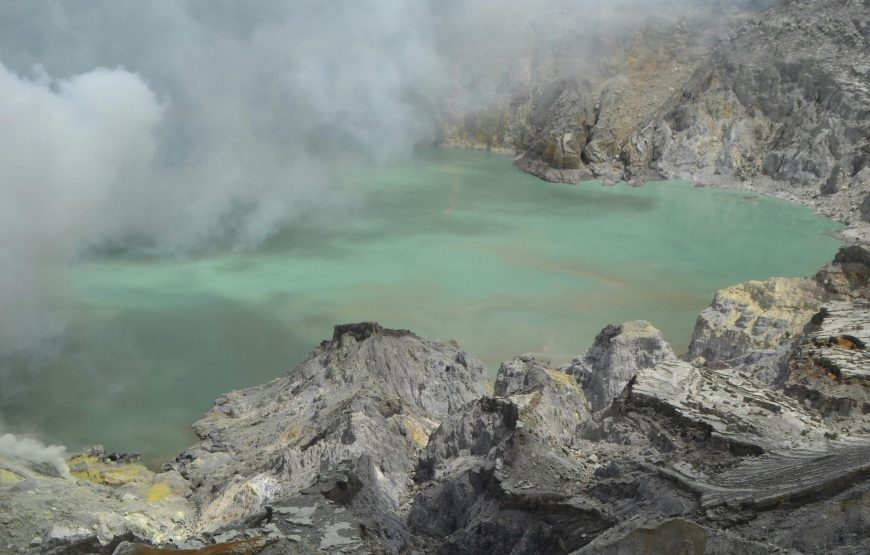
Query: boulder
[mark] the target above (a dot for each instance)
(616, 356)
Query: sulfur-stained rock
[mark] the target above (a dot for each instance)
(747, 325)
(101, 501)
(348, 421)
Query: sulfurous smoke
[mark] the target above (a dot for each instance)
(169, 128)
(65, 146)
(33, 452)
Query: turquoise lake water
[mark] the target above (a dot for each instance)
(453, 244)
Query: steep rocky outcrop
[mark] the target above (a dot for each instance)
(619, 352)
(559, 129)
(807, 336)
(832, 362)
(785, 95)
(773, 100)
(848, 275)
(501, 477)
(347, 423)
(784, 98)
(752, 325)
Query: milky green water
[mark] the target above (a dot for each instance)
(452, 245)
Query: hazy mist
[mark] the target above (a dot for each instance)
(168, 128)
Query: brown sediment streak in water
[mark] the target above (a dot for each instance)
(568, 265)
(627, 291)
(453, 196)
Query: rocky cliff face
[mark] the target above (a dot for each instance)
(785, 97)
(773, 100)
(385, 442)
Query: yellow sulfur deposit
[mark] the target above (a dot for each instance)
(158, 492)
(7, 477)
(89, 467)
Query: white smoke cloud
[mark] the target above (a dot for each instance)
(250, 112)
(30, 451)
(268, 102)
(63, 146)
(259, 110)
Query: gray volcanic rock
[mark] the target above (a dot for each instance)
(795, 458)
(750, 455)
(838, 337)
(848, 275)
(785, 97)
(752, 325)
(735, 411)
(773, 101)
(347, 424)
(680, 459)
(831, 370)
(87, 506)
(560, 125)
(841, 336)
(618, 353)
(559, 403)
(500, 477)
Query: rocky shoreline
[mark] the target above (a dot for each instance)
(775, 103)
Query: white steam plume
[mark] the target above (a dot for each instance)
(250, 112)
(30, 451)
(63, 146)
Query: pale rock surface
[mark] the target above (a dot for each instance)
(102, 500)
(618, 353)
(751, 325)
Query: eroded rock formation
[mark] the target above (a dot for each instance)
(617, 355)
